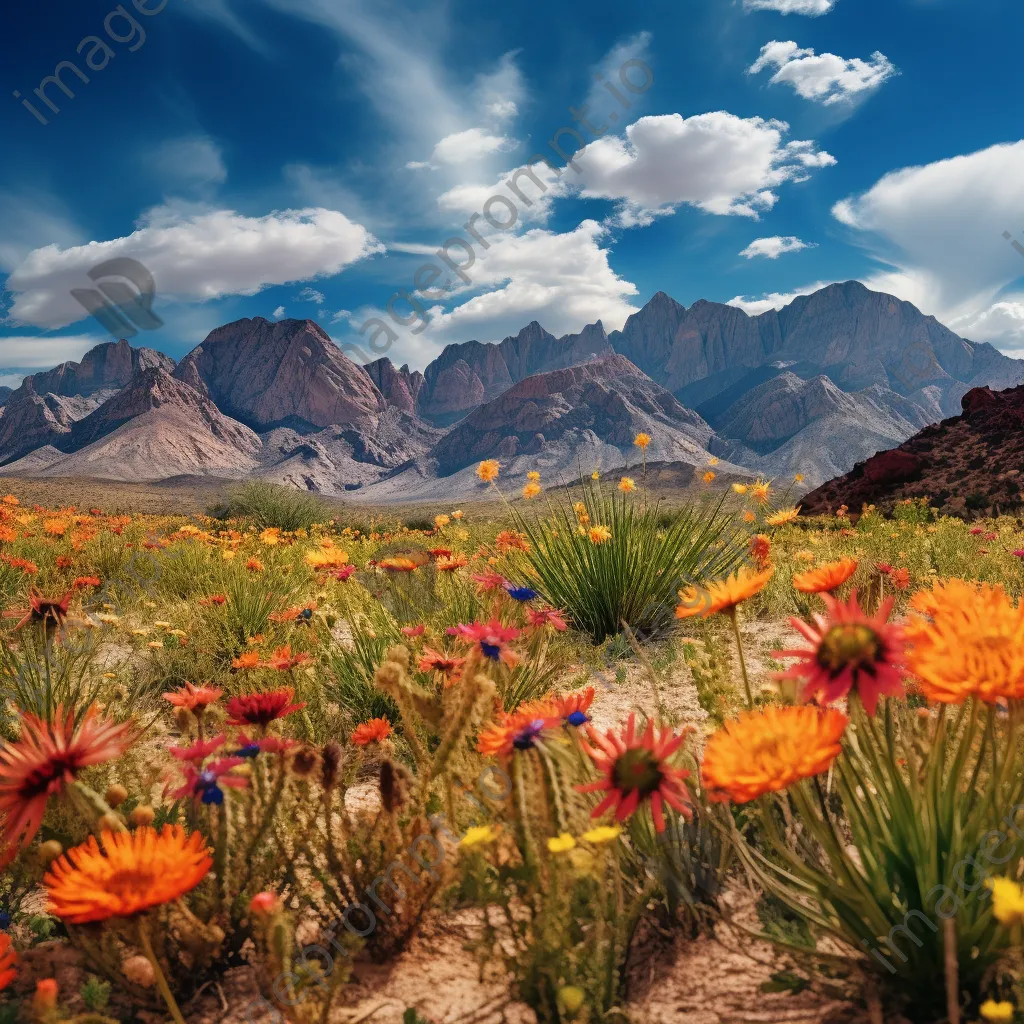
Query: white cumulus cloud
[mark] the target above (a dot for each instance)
(814, 8)
(472, 144)
(772, 248)
(194, 257)
(42, 352)
(718, 162)
(824, 78)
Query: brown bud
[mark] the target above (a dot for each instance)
(393, 785)
(304, 762)
(49, 852)
(116, 795)
(142, 815)
(330, 763)
(183, 719)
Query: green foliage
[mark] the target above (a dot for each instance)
(634, 576)
(95, 994)
(263, 504)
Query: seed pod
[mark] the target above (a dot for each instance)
(304, 762)
(330, 764)
(142, 815)
(393, 785)
(116, 794)
(49, 852)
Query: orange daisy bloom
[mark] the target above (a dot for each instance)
(783, 517)
(511, 540)
(826, 578)
(447, 665)
(45, 758)
(488, 470)
(129, 873)
(451, 564)
(193, 698)
(973, 643)
(398, 563)
(284, 661)
(373, 731)
(518, 731)
(722, 595)
(8, 958)
(768, 750)
(636, 769)
(247, 659)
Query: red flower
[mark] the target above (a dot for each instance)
(900, 578)
(8, 958)
(975, 530)
(450, 667)
(414, 631)
(193, 698)
(43, 609)
(264, 745)
(848, 649)
(538, 617)
(884, 568)
(85, 581)
(213, 599)
(491, 639)
(45, 758)
(65, 562)
(373, 731)
(440, 553)
(262, 708)
(573, 708)
(637, 769)
(342, 573)
(488, 582)
(284, 661)
(200, 750)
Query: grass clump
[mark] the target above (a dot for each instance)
(265, 505)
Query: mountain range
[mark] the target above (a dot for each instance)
(813, 388)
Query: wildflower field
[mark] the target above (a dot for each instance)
(567, 756)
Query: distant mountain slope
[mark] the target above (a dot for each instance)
(972, 463)
(103, 368)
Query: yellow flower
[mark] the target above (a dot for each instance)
(781, 518)
(228, 555)
(442, 521)
(712, 461)
(602, 834)
(458, 514)
(488, 470)
(270, 536)
(708, 476)
(595, 475)
(479, 834)
(760, 490)
(642, 440)
(1007, 900)
(599, 534)
(531, 490)
(326, 557)
(799, 478)
(533, 476)
(627, 484)
(997, 1013)
(561, 844)
(749, 517)
(740, 488)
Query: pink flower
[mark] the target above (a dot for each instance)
(414, 631)
(488, 582)
(539, 617)
(975, 530)
(200, 750)
(491, 639)
(204, 784)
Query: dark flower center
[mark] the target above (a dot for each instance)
(852, 646)
(527, 736)
(637, 769)
(577, 717)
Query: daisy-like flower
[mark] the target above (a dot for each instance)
(81, 582)
(520, 593)
(709, 476)
(490, 638)
(43, 610)
(996, 1013)
(200, 750)
(642, 440)
(441, 521)
(341, 573)
(599, 535)
(488, 470)
(8, 958)
(451, 564)
(740, 488)
(627, 484)
(562, 843)
(125, 873)
(517, 731)
(768, 750)
(759, 491)
(531, 490)
(826, 578)
(373, 731)
(602, 834)
(540, 617)
(204, 784)
(572, 709)
(533, 476)
(326, 558)
(437, 553)
(262, 708)
(488, 582)
(246, 660)
(722, 595)
(848, 650)
(479, 834)
(973, 643)
(413, 631)
(284, 661)
(783, 517)
(445, 664)
(1007, 900)
(760, 549)
(511, 540)
(900, 578)
(42, 761)
(637, 770)
(193, 698)
(398, 563)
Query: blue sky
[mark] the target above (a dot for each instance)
(307, 158)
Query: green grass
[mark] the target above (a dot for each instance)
(263, 505)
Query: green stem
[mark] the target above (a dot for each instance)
(161, 981)
(743, 664)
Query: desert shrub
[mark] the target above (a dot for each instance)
(265, 505)
(606, 561)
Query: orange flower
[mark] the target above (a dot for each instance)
(10, 499)
(708, 476)
(193, 698)
(55, 527)
(642, 440)
(129, 873)
(759, 491)
(45, 758)
(373, 731)
(900, 578)
(398, 563)
(7, 535)
(826, 578)
(447, 665)
(973, 643)
(768, 750)
(284, 661)
(8, 958)
(722, 595)
(246, 660)
(760, 549)
(488, 470)
(511, 540)
(451, 564)
(783, 517)
(254, 565)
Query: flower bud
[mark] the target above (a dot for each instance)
(116, 795)
(49, 852)
(139, 971)
(570, 998)
(264, 903)
(330, 762)
(44, 1002)
(142, 815)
